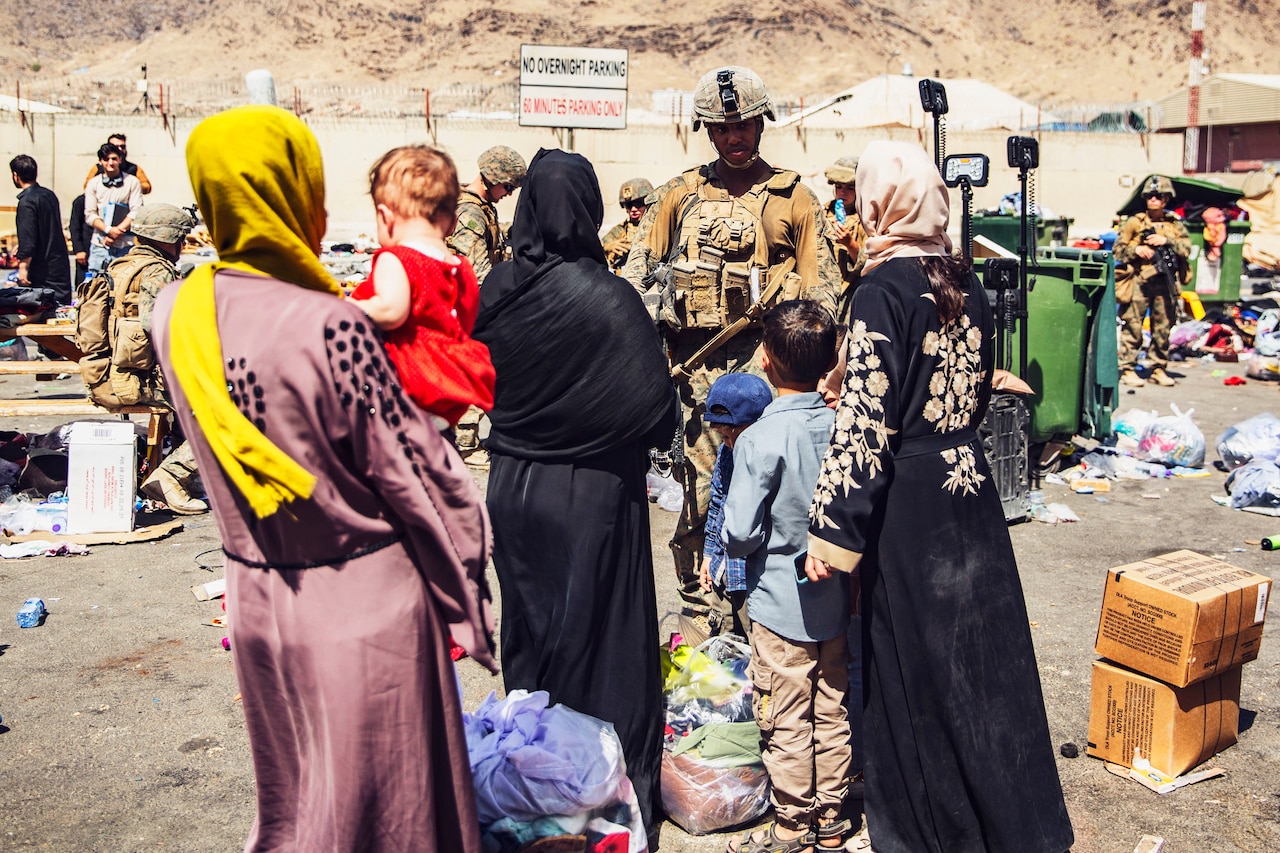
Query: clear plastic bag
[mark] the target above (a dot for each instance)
(702, 798)
(1255, 484)
(1134, 422)
(1255, 438)
(1173, 440)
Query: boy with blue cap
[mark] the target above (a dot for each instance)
(735, 402)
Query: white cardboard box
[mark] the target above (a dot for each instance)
(102, 477)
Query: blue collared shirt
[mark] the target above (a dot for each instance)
(776, 462)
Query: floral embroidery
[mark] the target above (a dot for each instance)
(963, 475)
(955, 382)
(860, 436)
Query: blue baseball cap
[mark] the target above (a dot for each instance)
(737, 399)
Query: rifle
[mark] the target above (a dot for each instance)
(1166, 262)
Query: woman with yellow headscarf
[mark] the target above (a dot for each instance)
(355, 539)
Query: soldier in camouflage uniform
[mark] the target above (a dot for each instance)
(617, 241)
(161, 230)
(1141, 287)
(742, 202)
(478, 238)
(845, 239)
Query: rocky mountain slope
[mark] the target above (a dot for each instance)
(1049, 51)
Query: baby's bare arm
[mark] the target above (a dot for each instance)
(389, 305)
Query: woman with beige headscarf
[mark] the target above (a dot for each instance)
(355, 539)
(958, 757)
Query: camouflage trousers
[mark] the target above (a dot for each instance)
(467, 432)
(181, 465)
(700, 447)
(1156, 299)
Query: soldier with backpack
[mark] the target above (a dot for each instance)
(721, 244)
(113, 330)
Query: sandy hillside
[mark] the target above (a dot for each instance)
(1050, 51)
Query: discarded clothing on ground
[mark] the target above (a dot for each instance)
(542, 771)
(1256, 438)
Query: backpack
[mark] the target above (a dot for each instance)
(119, 363)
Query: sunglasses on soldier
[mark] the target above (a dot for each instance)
(1153, 195)
(635, 202)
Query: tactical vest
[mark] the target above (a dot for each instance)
(493, 242)
(724, 258)
(119, 363)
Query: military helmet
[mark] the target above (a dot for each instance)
(1158, 184)
(730, 94)
(502, 165)
(843, 171)
(633, 190)
(163, 223)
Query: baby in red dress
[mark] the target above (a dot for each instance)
(422, 296)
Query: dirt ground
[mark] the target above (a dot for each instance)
(121, 730)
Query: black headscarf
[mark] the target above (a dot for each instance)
(579, 363)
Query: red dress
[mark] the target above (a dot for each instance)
(440, 366)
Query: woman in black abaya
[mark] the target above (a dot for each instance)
(582, 393)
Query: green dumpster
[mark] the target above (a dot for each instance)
(1217, 282)
(1003, 230)
(1071, 343)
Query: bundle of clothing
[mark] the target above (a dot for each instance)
(546, 771)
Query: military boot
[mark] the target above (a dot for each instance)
(1159, 377)
(1131, 378)
(164, 487)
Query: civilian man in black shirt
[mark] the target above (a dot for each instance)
(42, 250)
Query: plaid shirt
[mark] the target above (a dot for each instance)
(728, 572)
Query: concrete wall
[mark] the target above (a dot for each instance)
(1081, 175)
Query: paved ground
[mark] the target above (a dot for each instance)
(121, 730)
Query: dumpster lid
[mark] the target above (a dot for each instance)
(1199, 193)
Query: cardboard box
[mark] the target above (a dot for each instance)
(1174, 728)
(102, 477)
(1182, 617)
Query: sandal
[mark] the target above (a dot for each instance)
(834, 831)
(771, 843)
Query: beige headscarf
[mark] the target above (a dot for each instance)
(902, 203)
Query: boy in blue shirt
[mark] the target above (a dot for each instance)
(735, 402)
(799, 653)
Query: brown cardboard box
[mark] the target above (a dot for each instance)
(1176, 728)
(1182, 617)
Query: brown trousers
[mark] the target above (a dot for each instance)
(799, 706)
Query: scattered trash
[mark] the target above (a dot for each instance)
(663, 489)
(210, 590)
(1254, 484)
(42, 548)
(31, 612)
(1089, 485)
(1235, 380)
(1069, 750)
(1149, 844)
(1162, 783)
(1054, 514)
(1271, 543)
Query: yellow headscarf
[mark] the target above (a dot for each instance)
(259, 181)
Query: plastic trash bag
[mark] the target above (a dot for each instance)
(1264, 367)
(703, 798)
(1255, 484)
(1267, 344)
(715, 671)
(1185, 334)
(1173, 440)
(1257, 437)
(1133, 422)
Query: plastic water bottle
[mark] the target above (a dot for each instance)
(838, 210)
(52, 517)
(30, 613)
